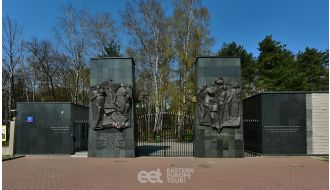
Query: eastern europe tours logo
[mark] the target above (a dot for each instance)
(173, 175)
(179, 175)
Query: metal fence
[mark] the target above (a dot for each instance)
(165, 134)
(80, 137)
(251, 154)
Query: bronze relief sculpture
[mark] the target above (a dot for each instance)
(219, 104)
(111, 105)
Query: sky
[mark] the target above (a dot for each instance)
(297, 23)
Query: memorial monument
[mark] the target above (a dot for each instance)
(219, 109)
(111, 132)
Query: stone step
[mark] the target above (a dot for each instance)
(80, 155)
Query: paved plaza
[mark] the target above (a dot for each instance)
(61, 172)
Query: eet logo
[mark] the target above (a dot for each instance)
(151, 177)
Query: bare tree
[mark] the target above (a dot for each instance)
(73, 35)
(44, 58)
(24, 73)
(103, 31)
(12, 46)
(81, 35)
(5, 95)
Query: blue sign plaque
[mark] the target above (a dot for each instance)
(29, 119)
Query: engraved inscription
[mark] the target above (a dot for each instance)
(59, 129)
(109, 141)
(282, 129)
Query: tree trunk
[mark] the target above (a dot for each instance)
(156, 94)
(26, 89)
(53, 90)
(11, 102)
(76, 88)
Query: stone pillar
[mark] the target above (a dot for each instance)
(12, 138)
(111, 116)
(218, 130)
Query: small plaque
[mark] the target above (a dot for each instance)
(110, 141)
(4, 134)
(29, 119)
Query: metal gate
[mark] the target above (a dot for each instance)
(80, 137)
(172, 136)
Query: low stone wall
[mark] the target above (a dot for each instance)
(299, 119)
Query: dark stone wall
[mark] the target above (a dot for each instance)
(208, 141)
(112, 142)
(50, 132)
(284, 123)
(275, 123)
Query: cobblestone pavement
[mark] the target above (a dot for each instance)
(255, 173)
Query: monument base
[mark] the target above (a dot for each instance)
(111, 143)
(211, 144)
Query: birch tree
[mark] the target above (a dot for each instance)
(149, 29)
(73, 35)
(103, 30)
(81, 36)
(191, 35)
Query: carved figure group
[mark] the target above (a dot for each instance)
(111, 105)
(219, 104)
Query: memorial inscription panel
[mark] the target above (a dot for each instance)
(109, 141)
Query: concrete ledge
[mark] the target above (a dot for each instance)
(6, 158)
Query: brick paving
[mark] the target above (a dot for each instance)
(256, 173)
